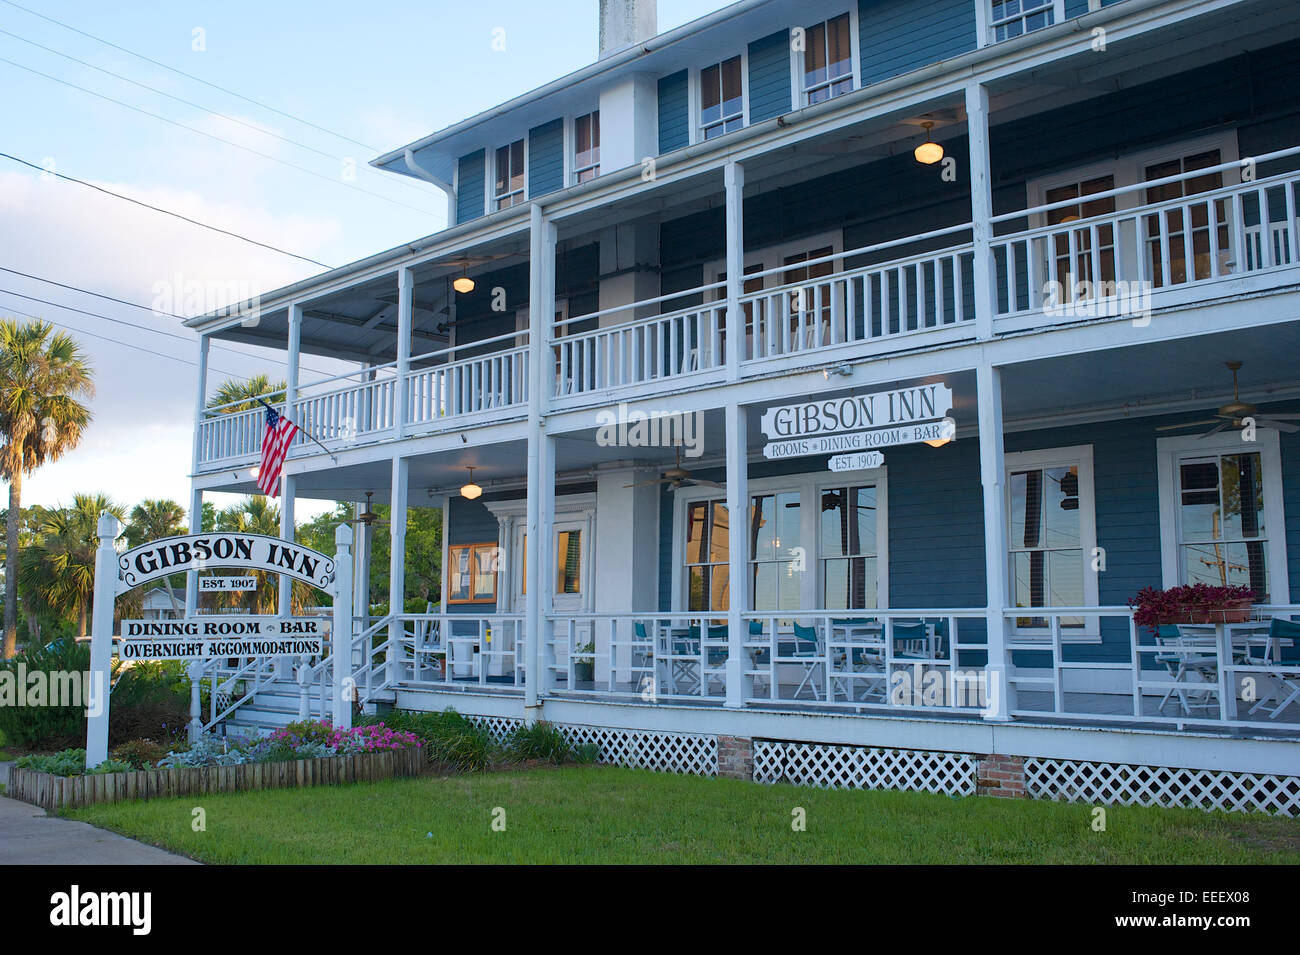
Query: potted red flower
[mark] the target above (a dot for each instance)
(1198, 603)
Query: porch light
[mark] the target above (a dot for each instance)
(928, 152)
(470, 491)
(254, 471)
(947, 434)
(463, 284)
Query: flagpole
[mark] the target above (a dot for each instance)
(309, 435)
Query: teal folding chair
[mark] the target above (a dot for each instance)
(804, 650)
(1287, 656)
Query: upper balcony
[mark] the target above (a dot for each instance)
(849, 248)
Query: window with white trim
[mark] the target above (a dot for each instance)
(508, 188)
(1012, 18)
(777, 559)
(586, 147)
(1051, 532)
(707, 543)
(722, 98)
(848, 547)
(1222, 513)
(826, 67)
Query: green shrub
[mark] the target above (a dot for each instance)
(448, 737)
(140, 753)
(586, 753)
(70, 762)
(541, 740)
(44, 727)
(150, 701)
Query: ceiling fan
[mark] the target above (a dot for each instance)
(676, 476)
(367, 518)
(1232, 414)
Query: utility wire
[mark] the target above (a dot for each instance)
(146, 328)
(176, 215)
(404, 182)
(86, 291)
(213, 136)
(191, 76)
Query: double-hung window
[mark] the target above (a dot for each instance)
(777, 557)
(586, 147)
(1221, 513)
(509, 184)
(827, 68)
(1051, 533)
(722, 98)
(707, 572)
(848, 547)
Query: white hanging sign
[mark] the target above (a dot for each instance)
(858, 440)
(209, 585)
(859, 461)
(215, 636)
(856, 413)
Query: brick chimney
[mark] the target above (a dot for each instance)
(625, 23)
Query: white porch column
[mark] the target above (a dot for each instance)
(341, 634)
(541, 450)
(196, 496)
(192, 577)
(101, 640)
(992, 477)
(288, 487)
(733, 174)
(295, 351)
(737, 552)
(397, 566)
(981, 196)
(361, 568)
(405, 299)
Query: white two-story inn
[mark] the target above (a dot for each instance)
(807, 390)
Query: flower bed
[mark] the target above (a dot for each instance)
(302, 754)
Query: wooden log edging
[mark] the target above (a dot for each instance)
(53, 793)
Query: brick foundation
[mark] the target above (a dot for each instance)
(1002, 776)
(736, 757)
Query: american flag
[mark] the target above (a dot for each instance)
(275, 445)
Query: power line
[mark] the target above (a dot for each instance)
(191, 76)
(232, 119)
(213, 136)
(86, 291)
(176, 215)
(146, 328)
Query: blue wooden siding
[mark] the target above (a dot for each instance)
(898, 36)
(471, 186)
(769, 76)
(1075, 8)
(546, 158)
(674, 110)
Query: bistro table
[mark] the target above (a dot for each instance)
(1233, 642)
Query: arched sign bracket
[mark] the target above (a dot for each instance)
(188, 638)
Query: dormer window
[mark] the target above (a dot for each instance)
(509, 188)
(586, 147)
(722, 98)
(828, 59)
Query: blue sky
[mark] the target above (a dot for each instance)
(382, 75)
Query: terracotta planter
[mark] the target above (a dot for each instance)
(1238, 612)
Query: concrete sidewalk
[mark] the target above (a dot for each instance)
(29, 837)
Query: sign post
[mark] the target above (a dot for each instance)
(341, 639)
(101, 640)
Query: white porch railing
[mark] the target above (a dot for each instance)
(463, 650)
(893, 299)
(453, 387)
(666, 346)
(1111, 264)
(336, 410)
(232, 436)
(1206, 677)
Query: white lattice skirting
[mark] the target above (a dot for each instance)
(857, 767)
(665, 752)
(1126, 784)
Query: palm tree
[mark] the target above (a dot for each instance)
(43, 376)
(233, 395)
(153, 520)
(60, 567)
(257, 515)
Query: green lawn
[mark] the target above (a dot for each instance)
(610, 815)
